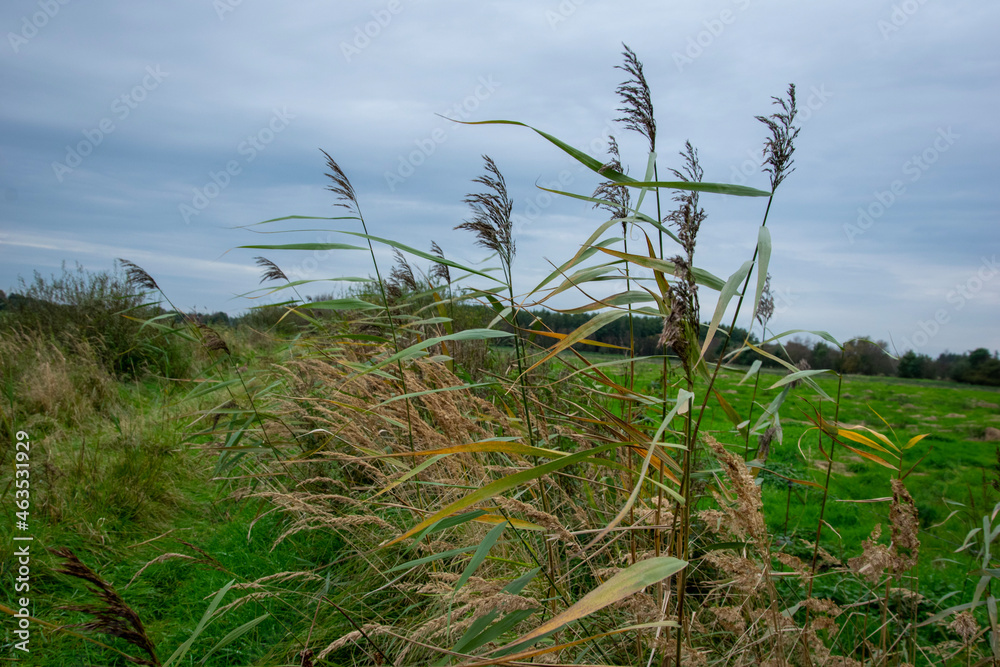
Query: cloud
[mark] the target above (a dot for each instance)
(366, 82)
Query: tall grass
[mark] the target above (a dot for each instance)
(552, 508)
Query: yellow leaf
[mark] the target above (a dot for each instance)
(864, 440)
(870, 457)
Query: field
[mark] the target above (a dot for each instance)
(420, 471)
(953, 464)
(141, 487)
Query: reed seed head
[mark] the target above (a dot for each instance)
(137, 276)
(439, 271)
(965, 626)
(618, 196)
(779, 147)
(905, 526)
(765, 309)
(112, 615)
(401, 277)
(212, 340)
(688, 215)
(638, 104)
(341, 185)
(491, 210)
(271, 270)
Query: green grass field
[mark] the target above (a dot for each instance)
(953, 464)
(127, 484)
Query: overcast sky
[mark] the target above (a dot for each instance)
(150, 131)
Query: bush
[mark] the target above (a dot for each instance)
(99, 310)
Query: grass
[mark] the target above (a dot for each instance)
(172, 594)
(955, 461)
(377, 484)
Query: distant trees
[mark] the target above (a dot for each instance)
(864, 356)
(861, 356)
(913, 365)
(978, 367)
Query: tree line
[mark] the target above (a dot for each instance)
(861, 356)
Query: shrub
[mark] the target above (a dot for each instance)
(99, 310)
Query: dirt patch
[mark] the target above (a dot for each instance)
(954, 415)
(976, 403)
(991, 434)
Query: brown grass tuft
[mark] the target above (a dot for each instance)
(874, 558)
(965, 626)
(746, 517)
(905, 525)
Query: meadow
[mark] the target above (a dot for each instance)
(417, 472)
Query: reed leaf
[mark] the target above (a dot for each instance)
(481, 552)
(580, 334)
(206, 617)
(792, 377)
(728, 291)
(763, 261)
(627, 582)
(701, 276)
(597, 166)
(503, 484)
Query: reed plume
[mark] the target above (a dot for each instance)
(271, 270)
(491, 222)
(618, 197)
(638, 104)
(779, 147)
(341, 185)
(401, 277)
(137, 276)
(439, 271)
(112, 615)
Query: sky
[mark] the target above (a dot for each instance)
(156, 132)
